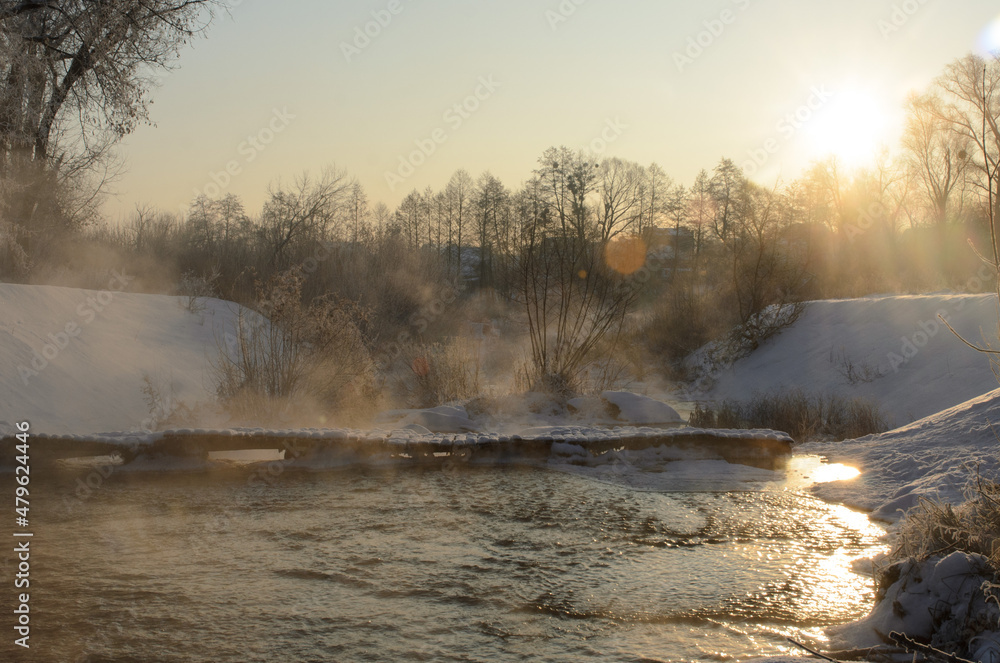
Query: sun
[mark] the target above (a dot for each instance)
(851, 126)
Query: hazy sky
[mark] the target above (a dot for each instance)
(547, 72)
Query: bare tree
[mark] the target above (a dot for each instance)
(574, 301)
(309, 209)
(459, 193)
(358, 211)
(85, 64)
(971, 107)
(725, 186)
(620, 188)
(653, 192)
(937, 154)
(566, 179)
(75, 77)
(700, 210)
(764, 277)
(408, 217)
(493, 226)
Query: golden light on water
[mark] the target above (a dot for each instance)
(834, 472)
(626, 255)
(804, 471)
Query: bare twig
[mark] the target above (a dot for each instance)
(914, 647)
(812, 651)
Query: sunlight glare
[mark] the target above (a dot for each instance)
(989, 38)
(834, 472)
(850, 127)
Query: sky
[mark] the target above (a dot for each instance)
(401, 93)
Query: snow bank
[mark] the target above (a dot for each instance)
(928, 458)
(639, 410)
(939, 601)
(73, 360)
(892, 349)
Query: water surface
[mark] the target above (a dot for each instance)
(508, 564)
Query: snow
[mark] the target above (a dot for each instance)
(892, 349)
(933, 457)
(443, 419)
(92, 349)
(640, 410)
(73, 360)
(938, 601)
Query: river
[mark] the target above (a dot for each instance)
(474, 564)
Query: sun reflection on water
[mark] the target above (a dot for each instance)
(805, 471)
(834, 472)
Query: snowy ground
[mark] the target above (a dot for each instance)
(892, 349)
(933, 457)
(74, 361)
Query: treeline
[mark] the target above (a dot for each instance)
(586, 252)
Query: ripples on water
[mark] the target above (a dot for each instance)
(476, 565)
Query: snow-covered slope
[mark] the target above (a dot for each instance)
(889, 348)
(74, 361)
(930, 457)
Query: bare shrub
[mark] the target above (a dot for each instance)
(861, 372)
(702, 417)
(936, 529)
(197, 287)
(442, 373)
(292, 358)
(165, 409)
(677, 325)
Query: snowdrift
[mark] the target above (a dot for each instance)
(74, 361)
(933, 457)
(892, 349)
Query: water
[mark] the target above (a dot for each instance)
(510, 564)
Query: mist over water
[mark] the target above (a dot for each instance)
(484, 565)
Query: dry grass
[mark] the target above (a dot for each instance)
(442, 373)
(802, 416)
(935, 528)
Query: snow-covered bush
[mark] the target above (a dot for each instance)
(939, 584)
(934, 527)
(194, 287)
(947, 601)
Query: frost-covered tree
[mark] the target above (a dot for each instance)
(77, 74)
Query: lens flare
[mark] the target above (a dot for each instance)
(626, 255)
(989, 38)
